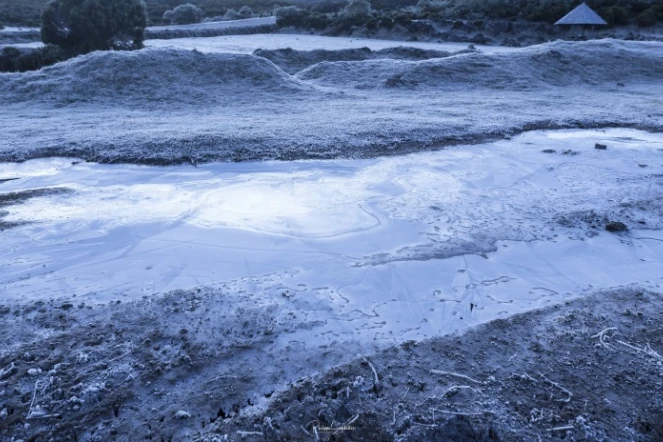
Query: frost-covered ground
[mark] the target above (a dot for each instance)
(141, 296)
(246, 44)
(167, 106)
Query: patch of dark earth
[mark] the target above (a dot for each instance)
(589, 369)
(12, 198)
(211, 148)
(161, 368)
(180, 367)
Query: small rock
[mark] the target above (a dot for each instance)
(548, 151)
(182, 414)
(34, 371)
(600, 146)
(616, 226)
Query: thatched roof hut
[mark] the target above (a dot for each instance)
(583, 15)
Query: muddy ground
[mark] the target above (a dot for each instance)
(195, 366)
(588, 370)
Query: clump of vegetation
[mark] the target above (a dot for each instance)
(16, 60)
(357, 11)
(245, 12)
(184, 15)
(230, 14)
(73, 27)
(81, 26)
(291, 16)
(345, 16)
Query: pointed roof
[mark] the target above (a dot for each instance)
(582, 15)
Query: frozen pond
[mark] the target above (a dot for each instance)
(406, 247)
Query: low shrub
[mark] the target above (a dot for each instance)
(384, 21)
(231, 14)
(15, 60)
(89, 25)
(184, 15)
(327, 7)
(245, 12)
(356, 12)
(648, 17)
(291, 16)
(317, 21)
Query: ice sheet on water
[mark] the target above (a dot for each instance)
(408, 246)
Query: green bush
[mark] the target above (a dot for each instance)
(231, 14)
(402, 19)
(614, 15)
(87, 25)
(434, 6)
(184, 15)
(245, 12)
(317, 21)
(356, 12)
(15, 60)
(384, 21)
(327, 7)
(648, 17)
(291, 16)
(8, 58)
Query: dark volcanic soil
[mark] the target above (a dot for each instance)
(588, 370)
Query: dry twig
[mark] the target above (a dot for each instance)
(601, 336)
(375, 373)
(458, 375)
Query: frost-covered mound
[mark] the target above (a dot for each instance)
(149, 76)
(559, 63)
(292, 60)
